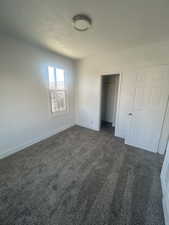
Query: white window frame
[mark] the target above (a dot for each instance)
(57, 90)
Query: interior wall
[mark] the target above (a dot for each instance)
(123, 62)
(109, 98)
(25, 113)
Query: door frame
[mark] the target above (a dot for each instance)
(164, 135)
(118, 100)
(165, 185)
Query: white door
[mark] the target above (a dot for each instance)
(165, 185)
(149, 105)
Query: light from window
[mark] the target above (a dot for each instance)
(57, 89)
(60, 79)
(51, 77)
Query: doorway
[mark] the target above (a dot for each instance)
(109, 101)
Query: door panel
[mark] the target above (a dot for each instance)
(165, 185)
(149, 104)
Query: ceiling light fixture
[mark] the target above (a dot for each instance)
(81, 22)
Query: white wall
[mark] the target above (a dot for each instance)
(24, 99)
(124, 62)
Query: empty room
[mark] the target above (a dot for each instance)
(84, 112)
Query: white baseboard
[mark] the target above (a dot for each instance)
(18, 148)
(88, 127)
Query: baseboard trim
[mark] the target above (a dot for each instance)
(34, 141)
(88, 127)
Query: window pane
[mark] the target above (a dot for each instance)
(61, 101)
(58, 101)
(51, 77)
(60, 79)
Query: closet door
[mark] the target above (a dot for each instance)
(149, 105)
(165, 185)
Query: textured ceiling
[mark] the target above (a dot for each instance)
(117, 24)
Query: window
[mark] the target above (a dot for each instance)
(57, 89)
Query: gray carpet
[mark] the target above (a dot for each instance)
(81, 177)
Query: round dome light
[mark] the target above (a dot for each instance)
(81, 22)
